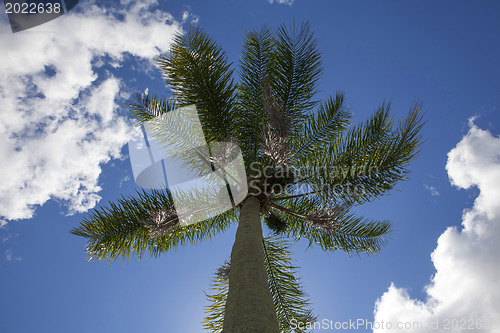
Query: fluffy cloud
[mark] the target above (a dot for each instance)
(465, 286)
(59, 120)
(282, 2)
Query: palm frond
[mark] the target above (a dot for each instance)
(320, 129)
(214, 312)
(183, 142)
(296, 70)
(276, 132)
(278, 81)
(255, 67)
(332, 228)
(366, 162)
(198, 72)
(179, 136)
(146, 107)
(145, 223)
(289, 299)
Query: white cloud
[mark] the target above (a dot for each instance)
(432, 189)
(282, 2)
(465, 286)
(8, 236)
(124, 180)
(189, 16)
(58, 106)
(9, 256)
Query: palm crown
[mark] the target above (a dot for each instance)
(304, 162)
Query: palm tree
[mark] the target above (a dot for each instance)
(306, 168)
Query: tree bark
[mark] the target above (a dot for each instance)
(249, 305)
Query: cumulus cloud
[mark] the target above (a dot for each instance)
(464, 292)
(282, 2)
(59, 119)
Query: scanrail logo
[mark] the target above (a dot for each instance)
(28, 14)
(204, 180)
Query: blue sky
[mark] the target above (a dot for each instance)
(64, 129)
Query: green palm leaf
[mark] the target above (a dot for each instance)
(134, 226)
(289, 299)
(198, 72)
(319, 129)
(331, 228)
(214, 312)
(296, 70)
(145, 107)
(255, 65)
(366, 162)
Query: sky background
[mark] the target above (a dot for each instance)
(64, 129)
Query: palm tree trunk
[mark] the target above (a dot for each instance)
(249, 305)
